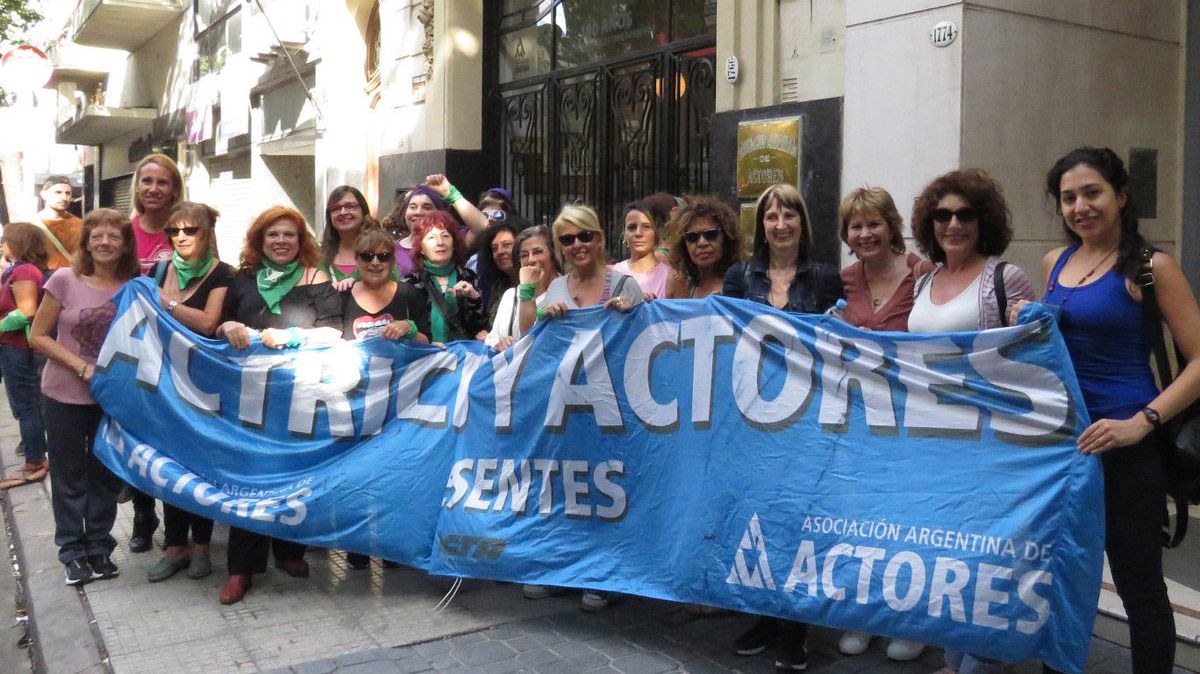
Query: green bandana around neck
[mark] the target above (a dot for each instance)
(186, 270)
(276, 280)
(437, 322)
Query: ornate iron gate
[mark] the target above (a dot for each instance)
(608, 134)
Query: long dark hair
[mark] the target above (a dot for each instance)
(1112, 169)
(330, 238)
(490, 277)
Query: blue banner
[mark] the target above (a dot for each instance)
(713, 451)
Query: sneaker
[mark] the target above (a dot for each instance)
(854, 643)
(903, 650)
(78, 572)
(357, 561)
(102, 567)
(756, 639)
(538, 591)
(793, 657)
(593, 600)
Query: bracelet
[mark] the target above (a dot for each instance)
(83, 370)
(453, 196)
(294, 337)
(540, 315)
(527, 292)
(412, 330)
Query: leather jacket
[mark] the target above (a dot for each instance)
(816, 287)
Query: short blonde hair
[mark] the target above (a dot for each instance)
(583, 217)
(178, 194)
(866, 200)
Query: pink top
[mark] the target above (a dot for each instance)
(151, 248)
(893, 314)
(83, 321)
(653, 282)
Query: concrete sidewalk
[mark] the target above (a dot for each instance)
(377, 620)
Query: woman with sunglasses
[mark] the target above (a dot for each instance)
(961, 222)
(346, 215)
(781, 274)
(704, 245)
(448, 288)
(879, 295)
(378, 304)
(539, 266)
(192, 285)
(589, 282)
(642, 240)
(281, 295)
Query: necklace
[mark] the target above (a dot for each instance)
(1093, 271)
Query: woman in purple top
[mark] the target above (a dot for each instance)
(436, 194)
(77, 309)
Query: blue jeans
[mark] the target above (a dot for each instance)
(21, 382)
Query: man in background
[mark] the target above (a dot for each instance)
(61, 226)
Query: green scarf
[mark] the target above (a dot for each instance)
(186, 270)
(277, 280)
(437, 322)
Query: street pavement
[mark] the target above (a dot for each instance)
(371, 621)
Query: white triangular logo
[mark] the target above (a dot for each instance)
(758, 572)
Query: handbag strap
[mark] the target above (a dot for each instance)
(1001, 292)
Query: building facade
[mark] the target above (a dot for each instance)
(603, 101)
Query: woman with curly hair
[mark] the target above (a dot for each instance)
(961, 222)
(77, 310)
(704, 243)
(281, 295)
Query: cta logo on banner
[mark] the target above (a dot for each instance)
(711, 451)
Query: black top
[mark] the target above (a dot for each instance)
(815, 288)
(470, 316)
(406, 304)
(316, 305)
(219, 277)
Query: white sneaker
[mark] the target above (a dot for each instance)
(903, 650)
(536, 591)
(854, 643)
(593, 600)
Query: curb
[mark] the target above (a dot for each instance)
(61, 624)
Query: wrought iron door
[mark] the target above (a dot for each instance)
(608, 134)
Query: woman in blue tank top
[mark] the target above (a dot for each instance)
(1091, 280)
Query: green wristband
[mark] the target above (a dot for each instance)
(527, 292)
(412, 330)
(540, 315)
(453, 196)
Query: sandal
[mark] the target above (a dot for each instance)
(26, 474)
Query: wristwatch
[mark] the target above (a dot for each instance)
(171, 306)
(1153, 416)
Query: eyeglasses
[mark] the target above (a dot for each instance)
(942, 216)
(173, 232)
(343, 208)
(496, 215)
(385, 256)
(568, 240)
(708, 234)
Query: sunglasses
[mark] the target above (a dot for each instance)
(372, 257)
(942, 216)
(568, 240)
(708, 234)
(173, 232)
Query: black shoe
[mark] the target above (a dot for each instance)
(125, 495)
(756, 639)
(102, 567)
(793, 657)
(141, 542)
(78, 572)
(357, 561)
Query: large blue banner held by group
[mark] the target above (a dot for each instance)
(712, 451)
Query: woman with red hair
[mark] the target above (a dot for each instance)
(439, 253)
(280, 295)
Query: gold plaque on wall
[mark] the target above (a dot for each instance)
(768, 153)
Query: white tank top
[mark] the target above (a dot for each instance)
(960, 313)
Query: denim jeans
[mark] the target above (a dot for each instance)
(21, 382)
